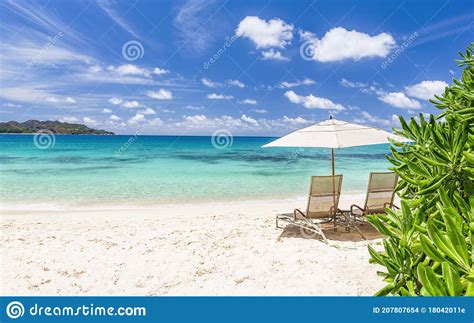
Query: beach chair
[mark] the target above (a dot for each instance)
(322, 206)
(380, 195)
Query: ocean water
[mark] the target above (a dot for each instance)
(111, 170)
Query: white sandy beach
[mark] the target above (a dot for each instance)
(201, 249)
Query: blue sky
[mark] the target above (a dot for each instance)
(252, 68)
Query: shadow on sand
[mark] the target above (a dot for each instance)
(370, 233)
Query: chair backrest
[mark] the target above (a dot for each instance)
(380, 192)
(323, 197)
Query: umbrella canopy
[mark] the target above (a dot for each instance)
(334, 133)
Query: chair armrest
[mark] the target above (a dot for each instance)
(390, 205)
(356, 206)
(300, 212)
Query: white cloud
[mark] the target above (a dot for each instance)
(305, 81)
(12, 105)
(236, 83)
(56, 99)
(250, 120)
(275, 55)
(147, 111)
(115, 101)
(295, 121)
(260, 111)
(113, 117)
(210, 83)
(313, 102)
(215, 96)
(89, 121)
(193, 107)
(162, 94)
(367, 118)
(131, 104)
(400, 100)
(128, 69)
(248, 101)
(350, 84)
(160, 71)
(136, 119)
(426, 90)
(69, 119)
(341, 44)
(106, 111)
(265, 34)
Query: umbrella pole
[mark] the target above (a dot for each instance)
(333, 189)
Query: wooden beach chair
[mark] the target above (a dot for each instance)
(322, 207)
(380, 195)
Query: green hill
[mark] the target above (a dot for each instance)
(33, 126)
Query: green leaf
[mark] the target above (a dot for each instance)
(452, 279)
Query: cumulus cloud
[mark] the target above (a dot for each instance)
(54, 99)
(136, 119)
(342, 44)
(106, 111)
(236, 83)
(69, 119)
(250, 120)
(131, 104)
(162, 94)
(214, 96)
(313, 102)
(248, 101)
(260, 111)
(275, 55)
(115, 101)
(89, 121)
(265, 34)
(210, 83)
(160, 71)
(128, 69)
(113, 117)
(426, 90)
(147, 111)
(400, 100)
(288, 85)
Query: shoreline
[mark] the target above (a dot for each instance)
(75, 207)
(212, 249)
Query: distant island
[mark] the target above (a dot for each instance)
(33, 126)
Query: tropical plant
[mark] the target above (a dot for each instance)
(428, 245)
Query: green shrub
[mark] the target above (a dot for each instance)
(428, 248)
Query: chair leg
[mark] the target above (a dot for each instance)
(348, 219)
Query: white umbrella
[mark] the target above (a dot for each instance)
(334, 133)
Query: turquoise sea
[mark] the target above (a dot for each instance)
(88, 170)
